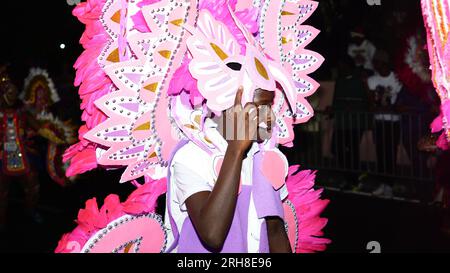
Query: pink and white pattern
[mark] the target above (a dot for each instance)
(135, 51)
(103, 230)
(284, 20)
(137, 132)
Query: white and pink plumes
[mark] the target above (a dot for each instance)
(125, 90)
(151, 73)
(220, 68)
(138, 133)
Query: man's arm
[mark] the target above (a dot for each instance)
(212, 212)
(276, 233)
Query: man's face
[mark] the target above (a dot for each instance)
(10, 94)
(381, 67)
(261, 105)
(42, 98)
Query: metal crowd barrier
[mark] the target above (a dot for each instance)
(364, 142)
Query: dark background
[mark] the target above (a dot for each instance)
(31, 33)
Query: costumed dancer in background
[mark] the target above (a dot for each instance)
(17, 151)
(157, 81)
(20, 155)
(39, 95)
(436, 15)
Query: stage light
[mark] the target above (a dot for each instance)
(62, 46)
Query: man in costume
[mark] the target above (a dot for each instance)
(39, 95)
(158, 82)
(216, 209)
(22, 125)
(17, 151)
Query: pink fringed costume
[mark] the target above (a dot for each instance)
(436, 15)
(152, 75)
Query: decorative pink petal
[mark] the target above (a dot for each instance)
(91, 219)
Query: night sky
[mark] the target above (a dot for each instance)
(32, 32)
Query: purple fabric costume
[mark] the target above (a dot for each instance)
(267, 203)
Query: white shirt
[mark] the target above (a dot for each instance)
(392, 85)
(192, 171)
(366, 50)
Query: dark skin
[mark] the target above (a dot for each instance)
(9, 101)
(212, 212)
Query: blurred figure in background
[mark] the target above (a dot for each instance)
(384, 88)
(362, 51)
(350, 102)
(17, 152)
(22, 127)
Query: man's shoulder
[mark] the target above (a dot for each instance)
(191, 161)
(190, 153)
